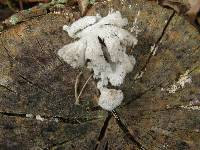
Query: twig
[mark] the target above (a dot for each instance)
(77, 96)
(76, 87)
(77, 100)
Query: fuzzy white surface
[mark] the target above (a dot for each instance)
(110, 98)
(110, 68)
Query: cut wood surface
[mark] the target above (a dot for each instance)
(161, 108)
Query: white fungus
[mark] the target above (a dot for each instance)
(101, 46)
(29, 115)
(38, 117)
(110, 98)
(183, 79)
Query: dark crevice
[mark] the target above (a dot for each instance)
(34, 84)
(165, 28)
(103, 130)
(105, 125)
(156, 44)
(11, 114)
(126, 131)
(73, 121)
(106, 146)
(8, 89)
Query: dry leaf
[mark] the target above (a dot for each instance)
(194, 8)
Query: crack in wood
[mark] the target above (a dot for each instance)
(33, 84)
(126, 131)
(165, 28)
(10, 58)
(8, 89)
(106, 146)
(155, 46)
(11, 114)
(73, 121)
(103, 130)
(148, 136)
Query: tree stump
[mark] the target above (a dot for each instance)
(162, 95)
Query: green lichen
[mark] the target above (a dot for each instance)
(92, 1)
(59, 1)
(60, 6)
(14, 19)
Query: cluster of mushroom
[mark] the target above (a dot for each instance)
(101, 45)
